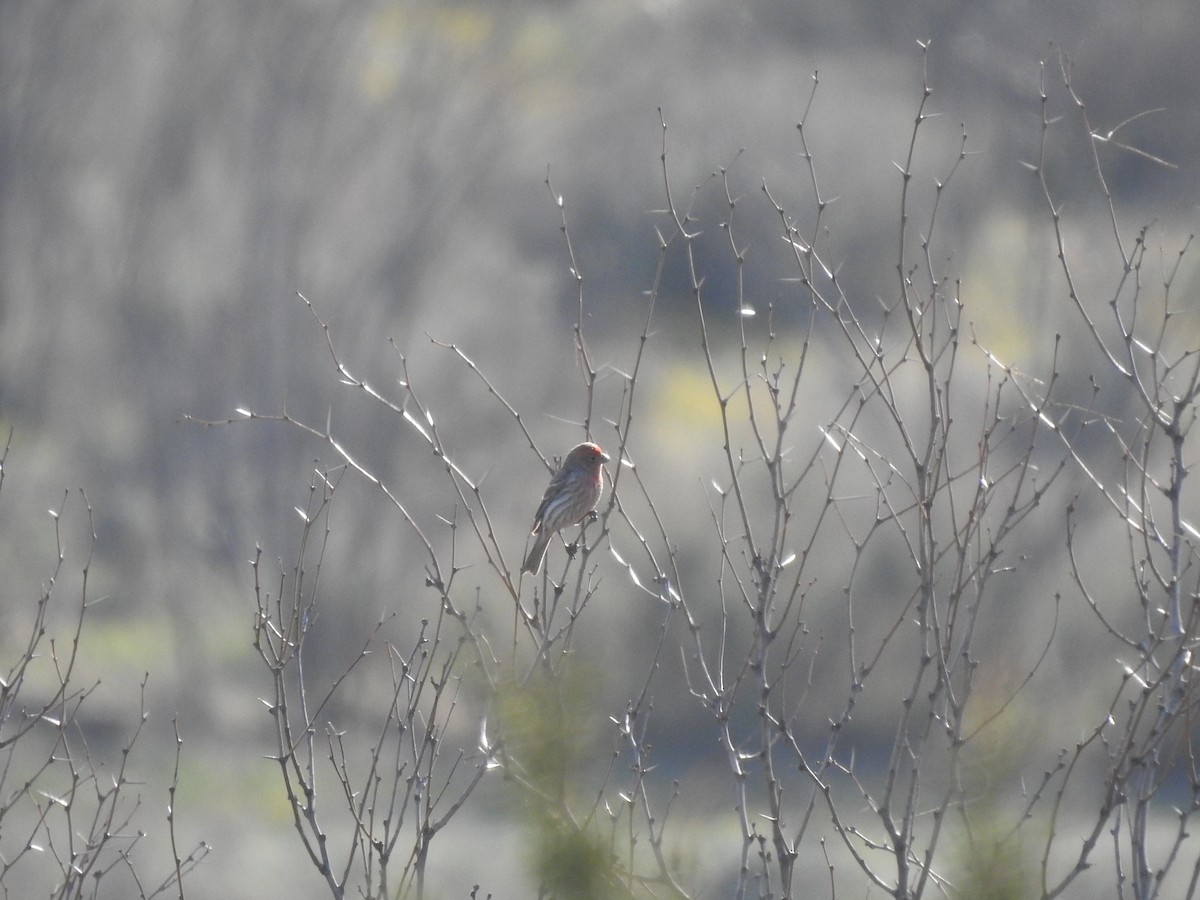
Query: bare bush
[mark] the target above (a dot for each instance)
(1142, 406)
(70, 820)
(880, 501)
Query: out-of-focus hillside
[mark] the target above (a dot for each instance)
(171, 174)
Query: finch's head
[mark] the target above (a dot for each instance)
(586, 456)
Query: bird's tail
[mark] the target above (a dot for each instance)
(533, 562)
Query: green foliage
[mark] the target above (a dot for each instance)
(545, 727)
(548, 734)
(992, 866)
(571, 864)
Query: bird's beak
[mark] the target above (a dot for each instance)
(604, 456)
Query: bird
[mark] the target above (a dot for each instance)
(571, 496)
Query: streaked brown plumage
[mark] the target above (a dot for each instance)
(573, 492)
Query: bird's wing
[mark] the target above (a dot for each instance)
(552, 491)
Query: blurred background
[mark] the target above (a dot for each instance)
(172, 173)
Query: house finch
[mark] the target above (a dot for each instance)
(574, 492)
